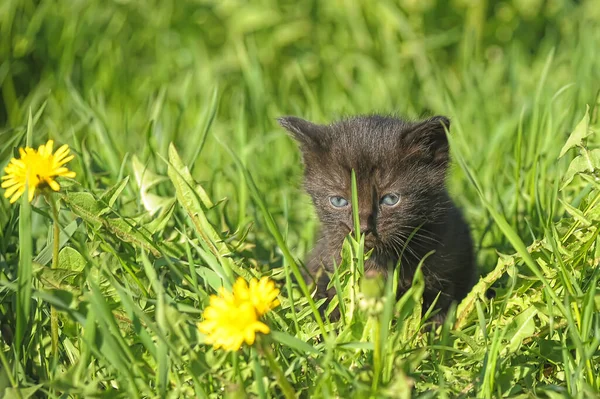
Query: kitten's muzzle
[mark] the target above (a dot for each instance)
(370, 235)
(370, 241)
(365, 228)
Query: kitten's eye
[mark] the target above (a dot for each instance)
(390, 199)
(338, 202)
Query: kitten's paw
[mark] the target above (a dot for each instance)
(334, 315)
(434, 322)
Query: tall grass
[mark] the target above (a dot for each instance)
(184, 182)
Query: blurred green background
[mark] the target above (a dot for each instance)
(118, 78)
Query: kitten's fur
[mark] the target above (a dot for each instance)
(389, 155)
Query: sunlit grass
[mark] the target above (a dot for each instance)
(184, 182)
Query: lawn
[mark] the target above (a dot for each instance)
(185, 182)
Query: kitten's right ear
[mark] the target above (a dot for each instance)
(308, 134)
(428, 138)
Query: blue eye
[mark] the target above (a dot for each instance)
(338, 202)
(390, 199)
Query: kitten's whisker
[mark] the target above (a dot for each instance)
(419, 230)
(401, 247)
(421, 242)
(426, 239)
(414, 241)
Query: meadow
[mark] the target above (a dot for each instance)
(185, 182)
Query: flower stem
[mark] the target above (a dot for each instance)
(55, 248)
(237, 390)
(376, 354)
(11, 379)
(284, 384)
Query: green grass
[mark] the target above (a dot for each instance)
(144, 240)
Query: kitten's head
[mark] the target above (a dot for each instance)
(400, 169)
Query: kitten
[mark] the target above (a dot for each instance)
(400, 169)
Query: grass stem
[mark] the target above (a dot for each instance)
(55, 249)
(284, 384)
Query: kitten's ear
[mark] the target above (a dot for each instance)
(308, 134)
(429, 138)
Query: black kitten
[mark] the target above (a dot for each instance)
(400, 168)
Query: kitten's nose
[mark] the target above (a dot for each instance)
(366, 224)
(364, 227)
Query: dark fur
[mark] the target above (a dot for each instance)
(389, 155)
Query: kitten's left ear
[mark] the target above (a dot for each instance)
(308, 134)
(429, 138)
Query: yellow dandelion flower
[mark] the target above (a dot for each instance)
(36, 169)
(229, 322)
(261, 293)
(232, 318)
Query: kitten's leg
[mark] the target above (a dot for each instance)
(318, 275)
(440, 298)
(327, 293)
